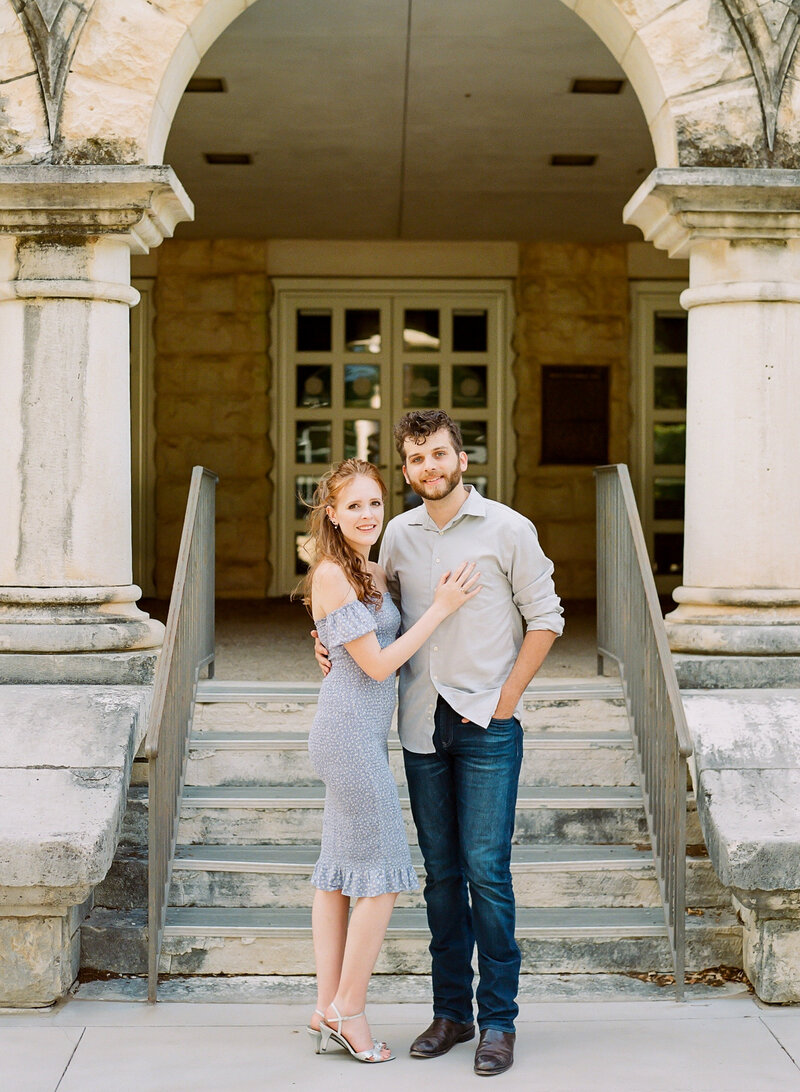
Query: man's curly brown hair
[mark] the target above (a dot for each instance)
(418, 425)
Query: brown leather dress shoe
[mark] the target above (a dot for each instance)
(441, 1036)
(495, 1053)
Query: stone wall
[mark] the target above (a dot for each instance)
(572, 308)
(212, 403)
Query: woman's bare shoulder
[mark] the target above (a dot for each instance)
(330, 588)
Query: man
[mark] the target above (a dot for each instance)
(459, 724)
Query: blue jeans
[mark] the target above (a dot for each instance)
(463, 799)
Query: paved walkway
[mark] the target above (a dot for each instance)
(725, 1044)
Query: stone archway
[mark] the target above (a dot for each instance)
(98, 82)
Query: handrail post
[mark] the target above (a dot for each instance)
(630, 630)
(188, 646)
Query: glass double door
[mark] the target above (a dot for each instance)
(352, 361)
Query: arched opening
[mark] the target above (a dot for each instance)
(422, 165)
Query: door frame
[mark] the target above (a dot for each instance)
(285, 289)
(143, 436)
(647, 296)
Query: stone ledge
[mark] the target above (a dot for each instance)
(746, 769)
(65, 762)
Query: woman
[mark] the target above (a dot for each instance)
(364, 852)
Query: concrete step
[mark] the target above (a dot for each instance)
(255, 814)
(278, 941)
(556, 704)
(544, 875)
(549, 758)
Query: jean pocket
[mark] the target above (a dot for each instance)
(502, 722)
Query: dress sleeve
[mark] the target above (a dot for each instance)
(348, 622)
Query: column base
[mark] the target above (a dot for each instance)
(75, 620)
(92, 668)
(698, 672)
(742, 638)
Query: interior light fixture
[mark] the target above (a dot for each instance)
(596, 87)
(206, 85)
(573, 160)
(228, 159)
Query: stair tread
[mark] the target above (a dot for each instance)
(229, 796)
(301, 858)
(534, 739)
(550, 921)
(221, 690)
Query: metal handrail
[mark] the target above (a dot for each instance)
(188, 646)
(630, 630)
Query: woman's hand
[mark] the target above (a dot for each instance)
(457, 588)
(321, 653)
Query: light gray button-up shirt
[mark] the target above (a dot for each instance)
(471, 653)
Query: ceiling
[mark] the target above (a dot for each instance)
(409, 119)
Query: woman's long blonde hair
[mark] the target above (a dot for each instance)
(327, 541)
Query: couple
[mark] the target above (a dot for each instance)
(478, 613)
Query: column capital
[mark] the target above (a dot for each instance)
(140, 205)
(675, 207)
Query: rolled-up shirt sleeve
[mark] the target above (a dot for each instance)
(531, 577)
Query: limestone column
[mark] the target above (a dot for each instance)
(67, 603)
(738, 617)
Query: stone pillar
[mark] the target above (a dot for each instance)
(738, 617)
(67, 604)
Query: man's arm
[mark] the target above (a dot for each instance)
(535, 646)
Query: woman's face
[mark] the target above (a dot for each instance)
(359, 512)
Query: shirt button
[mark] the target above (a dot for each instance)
(438, 559)
(435, 648)
(435, 678)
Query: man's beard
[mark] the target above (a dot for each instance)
(443, 488)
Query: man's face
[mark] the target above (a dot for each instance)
(433, 468)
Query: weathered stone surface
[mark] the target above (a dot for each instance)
(212, 379)
(771, 955)
(85, 668)
(39, 959)
(736, 672)
(572, 308)
(744, 729)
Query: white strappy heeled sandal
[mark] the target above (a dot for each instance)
(315, 1033)
(327, 1033)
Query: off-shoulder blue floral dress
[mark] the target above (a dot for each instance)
(364, 848)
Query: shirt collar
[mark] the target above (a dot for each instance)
(474, 505)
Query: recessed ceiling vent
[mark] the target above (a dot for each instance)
(573, 160)
(596, 87)
(228, 159)
(206, 85)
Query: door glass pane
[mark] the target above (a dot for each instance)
(421, 331)
(469, 386)
(303, 552)
(474, 434)
(313, 442)
(669, 443)
(480, 484)
(470, 332)
(362, 330)
(304, 487)
(314, 331)
(669, 333)
(669, 388)
(362, 440)
(314, 385)
(362, 386)
(668, 498)
(420, 386)
(668, 551)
